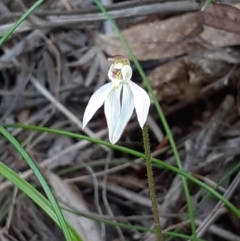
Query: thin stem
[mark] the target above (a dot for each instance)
(160, 113)
(19, 21)
(151, 183)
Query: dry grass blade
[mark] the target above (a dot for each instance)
(196, 150)
(216, 212)
(53, 21)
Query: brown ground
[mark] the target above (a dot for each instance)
(50, 67)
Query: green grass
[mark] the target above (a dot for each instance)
(24, 154)
(235, 169)
(207, 2)
(40, 178)
(38, 198)
(20, 20)
(158, 163)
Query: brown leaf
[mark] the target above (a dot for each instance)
(69, 197)
(172, 37)
(219, 38)
(206, 67)
(157, 39)
(222, 16)
(183, 79)
(166, 80)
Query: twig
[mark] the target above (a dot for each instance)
(47, 161)
(104, 194)
(52, 21)
(212, 217)
(196, 151)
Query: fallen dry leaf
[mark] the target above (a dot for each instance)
(59, 144)
(222, 16)
(177, 35)
(157, 39)
(202, 69)
(166, 81)
(182, 79)
(71, 198)
(219, 38)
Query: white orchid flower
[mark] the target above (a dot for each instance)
(120, 97)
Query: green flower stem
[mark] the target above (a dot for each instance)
(160, 113)
(151, 183)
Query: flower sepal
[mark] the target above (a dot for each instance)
(120, 98)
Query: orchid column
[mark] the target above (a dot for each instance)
(120, 97)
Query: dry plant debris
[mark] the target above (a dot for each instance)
(51, 66)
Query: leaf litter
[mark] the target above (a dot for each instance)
(51, 66)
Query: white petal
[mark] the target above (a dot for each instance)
(141, 102)
(110, 75)
(126, 111)
(112, 110)
(95, 102)
(126, 72)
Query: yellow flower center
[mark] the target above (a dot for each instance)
(118, 62)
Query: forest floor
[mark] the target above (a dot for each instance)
(51, 66)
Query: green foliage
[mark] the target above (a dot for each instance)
(40, 178)
(158, 163)
(38, 198)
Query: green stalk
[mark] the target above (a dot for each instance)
(159, 111)
(207, 2)
(151, 185)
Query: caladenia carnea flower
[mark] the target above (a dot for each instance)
(120, 97)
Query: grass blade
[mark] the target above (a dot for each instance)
(157, 162)
(41, 179)
(20, 20)
(36, 196)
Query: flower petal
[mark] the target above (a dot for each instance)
(126, 111)
(95, 102)
(141, 102)
(110, 72)
(126, 72)
(112, 110)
